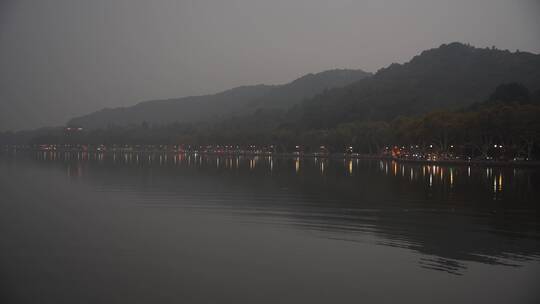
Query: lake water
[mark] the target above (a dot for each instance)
(157, 228)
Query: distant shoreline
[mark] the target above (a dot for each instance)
(457, 162)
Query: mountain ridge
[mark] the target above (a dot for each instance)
(238, 100)
(451, 76)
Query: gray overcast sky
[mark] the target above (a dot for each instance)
(60, 58)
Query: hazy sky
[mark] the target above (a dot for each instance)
(60, 58)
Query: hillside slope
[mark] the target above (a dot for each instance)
(241, 100)
(451, 76)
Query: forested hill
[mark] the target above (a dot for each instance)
(238, 101)
(449, 77)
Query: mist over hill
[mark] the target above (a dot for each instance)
(451, 76)
(451, 95)
(448, 77)
(237, 101)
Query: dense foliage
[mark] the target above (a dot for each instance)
(449, 77)
(473, 132)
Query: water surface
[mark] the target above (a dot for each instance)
(175, 228)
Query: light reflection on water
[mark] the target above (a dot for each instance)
(169, 224)
(449, 215)
(431, 175)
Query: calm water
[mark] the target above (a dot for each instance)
(140, 228)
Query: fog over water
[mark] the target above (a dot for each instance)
(62, 58)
